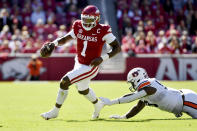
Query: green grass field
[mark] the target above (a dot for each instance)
(21, 104)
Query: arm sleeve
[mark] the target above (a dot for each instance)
(108, 38)
(131, 97)
(72, 34)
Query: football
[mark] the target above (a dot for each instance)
(47, 49)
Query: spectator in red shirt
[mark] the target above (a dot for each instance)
(50, 27)
(39, 29)
(49, 4)
(15, 44)
(149, 27)
(151, 42)
(163, 47)
(175, 46)
(161, 36)
(160, 23)
(141, 48)
(61, 32)
(128, 43)
(140, 36)
(5, 33)
(172, 31)
(29, 48)
(4, 47)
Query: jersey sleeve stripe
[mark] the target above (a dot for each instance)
(143, 85)
(190, 104)
(108, 38)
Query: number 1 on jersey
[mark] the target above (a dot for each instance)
(85, 43)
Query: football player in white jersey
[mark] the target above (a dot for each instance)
(149, 91)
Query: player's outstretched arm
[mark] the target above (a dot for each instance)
(129, 97)
(134, 111)
(63, 40)
(124, 99)
(48, 48)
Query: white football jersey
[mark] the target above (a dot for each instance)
(165, 98)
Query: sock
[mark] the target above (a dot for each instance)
(56, 109)
(61, 96)
(91, 95)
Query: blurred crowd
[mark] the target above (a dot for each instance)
(157, 26)
(145, 26)
(26, 24)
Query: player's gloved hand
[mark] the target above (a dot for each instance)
(47, 49)
(106, 101)
(109, 102)
(117, 117)
(97, 61)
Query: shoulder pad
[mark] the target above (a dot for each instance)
(143, 84)
(76, 22)
(106, 28)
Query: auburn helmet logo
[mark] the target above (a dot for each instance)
(135, 74)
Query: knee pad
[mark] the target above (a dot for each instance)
(65, 83)
(84, 92)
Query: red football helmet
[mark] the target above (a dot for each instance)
(90, 17)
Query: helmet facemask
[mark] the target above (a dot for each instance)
(89, 22)
(133, 86)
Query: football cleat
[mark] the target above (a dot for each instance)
(51, 114)
(97, 108)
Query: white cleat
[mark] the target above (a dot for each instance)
(51, 114)
(97, 108)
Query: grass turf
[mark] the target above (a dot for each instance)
(22, 102)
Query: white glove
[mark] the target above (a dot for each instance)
(106, 101)
(117, 117)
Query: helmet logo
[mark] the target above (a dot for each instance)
(135, 74)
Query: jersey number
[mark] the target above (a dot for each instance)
(85, 43)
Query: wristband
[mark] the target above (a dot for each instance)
(124, 117)
(105, 57)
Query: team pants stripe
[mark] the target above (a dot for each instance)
(190, 104)
(84, 75)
